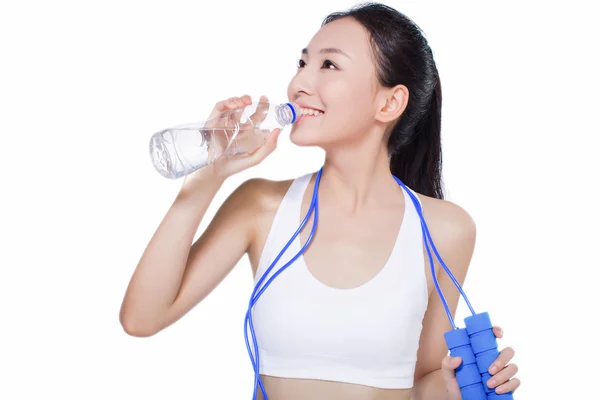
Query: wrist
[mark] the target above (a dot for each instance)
(201, 182)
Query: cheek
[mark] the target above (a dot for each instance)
(348, 112)
(349, 96)
(353, 111)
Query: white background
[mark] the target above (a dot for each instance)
(83, 85)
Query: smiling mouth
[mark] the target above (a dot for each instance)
(308, 116)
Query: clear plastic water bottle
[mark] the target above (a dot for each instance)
(183, 149)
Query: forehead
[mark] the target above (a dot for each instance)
(346, 34)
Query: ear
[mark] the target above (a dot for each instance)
(393, 103)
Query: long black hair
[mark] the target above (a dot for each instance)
(403, 56)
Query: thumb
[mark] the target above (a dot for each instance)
(449, 364)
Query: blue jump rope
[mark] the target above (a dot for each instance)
(476, 343)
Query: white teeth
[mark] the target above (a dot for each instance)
(310, 111)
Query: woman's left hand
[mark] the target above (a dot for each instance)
(501, 372)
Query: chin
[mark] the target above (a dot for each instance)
(305, 137)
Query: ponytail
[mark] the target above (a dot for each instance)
(417, 161)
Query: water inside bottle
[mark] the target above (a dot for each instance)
(178, 152)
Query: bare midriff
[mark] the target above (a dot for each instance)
(303, 389)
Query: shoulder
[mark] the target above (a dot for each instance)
(263, 195)
(447, 213)
(448, 222)
(261, 198)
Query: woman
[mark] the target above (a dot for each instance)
(356, 317)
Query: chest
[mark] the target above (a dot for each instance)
(347, 252)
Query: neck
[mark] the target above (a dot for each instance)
(357, 177)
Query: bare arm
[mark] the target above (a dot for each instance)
(173, 275)
(454, 233)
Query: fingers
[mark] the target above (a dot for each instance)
(502, 381)
(228, 104)
(503, 359)
(248, 160)
(236, 102)
(503, 377)
(498, 332)
(510, 386)
(270, 145)
(260, 113)
(232, 103)
(240, 162)
(246, 99)
(449, 364)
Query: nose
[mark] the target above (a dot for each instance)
(301, 83)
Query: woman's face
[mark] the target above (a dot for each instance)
(335, 74)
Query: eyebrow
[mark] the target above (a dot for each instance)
(328, 50)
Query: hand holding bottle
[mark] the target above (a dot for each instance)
(237, 130)
(225, 114)
(261, 141)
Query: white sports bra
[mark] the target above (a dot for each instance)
(367, 335)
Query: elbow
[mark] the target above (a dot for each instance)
(139, 322)
(137, 330)
(136, 327)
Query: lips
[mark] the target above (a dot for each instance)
(308, 116)
(303, 105)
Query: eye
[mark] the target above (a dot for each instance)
(302, 64)
(329, 63)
